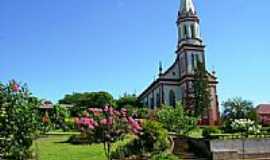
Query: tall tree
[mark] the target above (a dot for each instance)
(202, 96)
(82, 101)
(235, 109)
(58, 116)
(128, 101)
(238, 108)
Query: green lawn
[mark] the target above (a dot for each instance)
(53, 148)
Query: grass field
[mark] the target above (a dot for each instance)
(54, 148)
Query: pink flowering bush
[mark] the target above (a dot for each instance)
(18, 121)
(107, 125)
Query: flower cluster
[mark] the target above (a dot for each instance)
(107, 117)
(86, 122)
(246, 125)
(136, 128)
(107, 125)
(15, 87)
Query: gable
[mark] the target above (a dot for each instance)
(172, 72)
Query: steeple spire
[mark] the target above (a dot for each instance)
(188, 23)
(187, 6)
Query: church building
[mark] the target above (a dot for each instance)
(176, 83)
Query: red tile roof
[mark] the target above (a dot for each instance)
(263, 109)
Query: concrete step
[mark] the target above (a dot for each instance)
(184, 150)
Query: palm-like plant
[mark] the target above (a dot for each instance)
(237, 108)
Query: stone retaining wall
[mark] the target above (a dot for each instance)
(236, 148)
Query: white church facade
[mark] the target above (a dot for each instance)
(176, 83)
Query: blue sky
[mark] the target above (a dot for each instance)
(60, 46)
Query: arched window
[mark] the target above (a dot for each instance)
(180, 33)
(193, 62)
(152, 105)
(193, 31)
(158, 100)
(185, 31)
(196, 58)
(146, 102)
(172, 98)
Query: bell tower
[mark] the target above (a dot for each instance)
(190, 48)
(188, 24)
(190, 51)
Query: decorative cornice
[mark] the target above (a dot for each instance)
(187, 46)
(193, 18)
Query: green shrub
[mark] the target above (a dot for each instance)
(58, 115)
(176, 120)
(128, 100)
(127, 150)
(70, 123)
(207, 131)
(163, 156)
(227, 128)
(266, 129)
(153, 140)
(80, 139)
(142, 113)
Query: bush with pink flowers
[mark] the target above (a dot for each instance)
(107, 125)
(18, 120)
